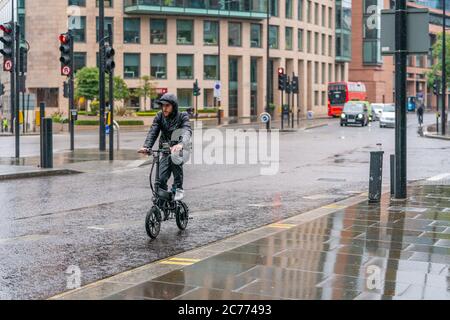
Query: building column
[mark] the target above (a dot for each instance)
(244, 86)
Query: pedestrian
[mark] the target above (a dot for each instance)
(420, 114)
(5, 125)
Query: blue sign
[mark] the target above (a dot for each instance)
(265, 117)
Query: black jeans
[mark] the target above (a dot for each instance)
(166, 167)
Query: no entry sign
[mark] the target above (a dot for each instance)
(7, 65)
(65, 71)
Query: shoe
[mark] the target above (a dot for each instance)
(179, 195)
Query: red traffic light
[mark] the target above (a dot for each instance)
(64, 38)
(280, 70)
(6, 28)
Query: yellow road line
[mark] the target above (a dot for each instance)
(334, 206)
(184, 259)
(281, 225)
(180, 261)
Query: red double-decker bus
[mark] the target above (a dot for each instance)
(341, 92)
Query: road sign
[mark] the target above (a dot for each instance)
(265, 117)
(7, 65)
(217, 89)
(418, 31)
(66, 70)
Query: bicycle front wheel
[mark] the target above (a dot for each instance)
(182, 215)
(153, 222)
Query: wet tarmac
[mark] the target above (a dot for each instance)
(387, 251)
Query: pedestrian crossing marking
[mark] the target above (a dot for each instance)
(282, 225)
(180, 261)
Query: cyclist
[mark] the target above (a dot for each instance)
(173, 125)
(420, 114)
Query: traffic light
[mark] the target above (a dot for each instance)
(8, 46)
(281, 79)
(23, 60)
(109, 59)
(196, 89)
(2, 89)
(288, 85)
(66, 89)
(295, 88)
(435, 89)
(66, 54)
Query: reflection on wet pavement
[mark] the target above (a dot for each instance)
(379, 251)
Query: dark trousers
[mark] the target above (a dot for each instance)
(166, 167)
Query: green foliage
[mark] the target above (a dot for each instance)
(86, 83)
(121, 91)
(120, 122)
(147, 113)
(58, 117)
(147, 90)
(208, 110)
(436, 71)
(95, 107)
(86, 113)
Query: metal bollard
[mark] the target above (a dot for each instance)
(47, 143)
(376, 176)
(392, 174)
(219, 119)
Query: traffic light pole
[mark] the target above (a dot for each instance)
(268, 74)
(444, 75)
(102, 134)
(111, 99)
(16, 89)
(400, 97)
(71, 95)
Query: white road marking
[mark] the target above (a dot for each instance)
(439, 177)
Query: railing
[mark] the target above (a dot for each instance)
(250, 6)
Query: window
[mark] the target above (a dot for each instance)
(78, 27)
(210, 67)
(300, 10)
(131, 65)
(324, 16)
(233, 93)
(300, 39)
(316, 42)
(80, 3)
(184, 97)
(273, 37)
(330, 18)
(234, 34)
(308, 11)
(308, 42)
(210, 33)
(255, 35)
(288, 38)
(131, 30)
(108, 3)
(185, 34)
(108, 20)
(316, 13)
(158, 66)
(371, 34)
(288, 9)
(323, 45)
(79, 60)
(158, 31)
(185, 66)
(274, 8)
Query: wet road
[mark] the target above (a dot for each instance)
(95, 220)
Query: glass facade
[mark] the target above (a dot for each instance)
(255, 35)
(343, 30)
(131, 30)
(131, 65)
(233, 78)
(210, 33)
(211, 67)
(288, 35)
(185, 66)
(78, 27)
(273, 37)
(108, 20)
(239, 8)
(185, 32)
(158, 31)
(234, 34)
(158, 66)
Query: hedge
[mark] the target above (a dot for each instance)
(87, 113)
(147, 113)
(120, 122)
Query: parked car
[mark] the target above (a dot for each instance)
(377, 109)
(412, 104)
(355, 112)
(387, 118)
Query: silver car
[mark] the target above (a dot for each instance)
(377, 109)
(387, 118)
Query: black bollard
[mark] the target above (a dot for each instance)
(376, 176)
(219, 120)
(392, 174)
(47, 143)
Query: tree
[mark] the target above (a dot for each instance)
(121, 91)
(436, 70)
(86, 83)
(146, 90)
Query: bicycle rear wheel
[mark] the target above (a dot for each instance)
(182, 215)
(153, 222)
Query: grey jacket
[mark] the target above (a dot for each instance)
(176, 128)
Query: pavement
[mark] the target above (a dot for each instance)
(350, 250)
(94, 221)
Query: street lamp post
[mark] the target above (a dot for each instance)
(444, 73)
(268, 75)
(101, 32)
(400, 98)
